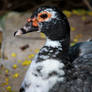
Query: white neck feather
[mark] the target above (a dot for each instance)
(52, 43)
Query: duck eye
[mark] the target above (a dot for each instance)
(44, 16)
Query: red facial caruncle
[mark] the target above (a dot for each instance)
(43, 16)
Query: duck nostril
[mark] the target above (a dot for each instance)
(29, 20)
(22, 89)
(15, 33)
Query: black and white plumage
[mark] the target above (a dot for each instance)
(51, 70)
(79, 49)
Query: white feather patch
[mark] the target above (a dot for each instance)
(51, 43)
(43, 83)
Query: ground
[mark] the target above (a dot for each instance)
(10, 80)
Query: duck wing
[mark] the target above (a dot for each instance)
(80, 49)
(82, 74)
(80, 80)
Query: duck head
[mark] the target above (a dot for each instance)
(48, 20)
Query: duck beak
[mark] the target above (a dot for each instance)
(26, 29)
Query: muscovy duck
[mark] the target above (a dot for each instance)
(51, 70)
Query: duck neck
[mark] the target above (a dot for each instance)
(53, 43)
(52, 49)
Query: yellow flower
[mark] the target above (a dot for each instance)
(6, 79)
(19, 61)
(83, 18)
(8, 88)
(14, 66)
(73, 29)
(72, 44)
(78, 36)
(75, 40)
(42, 35)
(36, 50)
(6, 71)
(31, 56)
(15, 75)
(79, 12)
(82, 12)
(75, 12)
(5, 83)
(13, 54)
(26, 62)
(90, 13)
(6, 58)
(67, 13)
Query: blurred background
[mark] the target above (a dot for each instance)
(16, 53)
